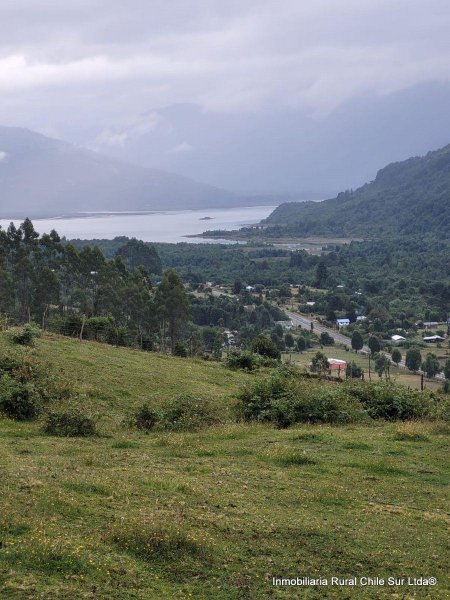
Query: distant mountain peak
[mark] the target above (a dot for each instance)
(42, 176)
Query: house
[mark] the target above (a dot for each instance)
(285, 324)
(336, 364)
(360, 319)
(397, 338)
(342, 322)
(433, 338)
(249, 288)
(231, 337)
(310, 304)
(430, 324)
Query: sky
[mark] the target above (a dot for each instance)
(286, 95)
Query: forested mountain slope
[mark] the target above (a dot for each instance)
(407, 197)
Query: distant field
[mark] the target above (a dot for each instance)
(213, 514)
(397, 374)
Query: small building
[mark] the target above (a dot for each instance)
(397, 338)
(342, 322)
(230, 337)
(430, 324)
(337, 365)
(249, 307)
(430, 339)
(310, 304)
(285, 324)
(249, 288)
(360, 319)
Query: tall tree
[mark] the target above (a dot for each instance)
(396, 356)
(413, 359)
(173, 304)
(431, 365)
(136, 253)
(374, 344)
(357, 341)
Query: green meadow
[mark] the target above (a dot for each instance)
(215, 513)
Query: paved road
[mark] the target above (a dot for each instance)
(302, 321)
(305, 322)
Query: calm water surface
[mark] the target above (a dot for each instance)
(170, 226)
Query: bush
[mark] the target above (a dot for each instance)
(386, 400)
(187, 413)
(285, 400)
(180, 350)
(69, 424)
(145, 418)
(241, 360)
(26, 386)
(265, 347)
(326, 339)
(25, 336)
(18, 400)
(353, 371)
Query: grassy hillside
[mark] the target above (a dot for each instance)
(409, 197)
(213, 514)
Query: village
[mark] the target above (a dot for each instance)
(336, 340)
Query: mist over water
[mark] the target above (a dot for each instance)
(169, 227)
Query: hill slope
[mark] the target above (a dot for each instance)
(211, 514)
(40, 176)
(407, 197)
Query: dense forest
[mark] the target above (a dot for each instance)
(405, 277)
(126, 300)
(406, 198)
(184, 297)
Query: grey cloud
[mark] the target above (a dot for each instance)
(92, 70)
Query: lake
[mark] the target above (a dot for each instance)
(169, 226)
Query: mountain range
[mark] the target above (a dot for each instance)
(408, 197)
(41, 176)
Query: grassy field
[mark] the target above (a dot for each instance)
(213, 514)
(399, 375)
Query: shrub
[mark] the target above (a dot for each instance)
(326, 339)
(145, 418)
(353, 371)
(241, 360)
(285, 400)
(187, 413)
(69, 424)
(386, 400)
(319, 363)
(26, 386)
(19, 400)
(265, 347)
(180, 350)
(268, 400)
(25, 336)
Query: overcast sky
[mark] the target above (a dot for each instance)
(285, 94)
